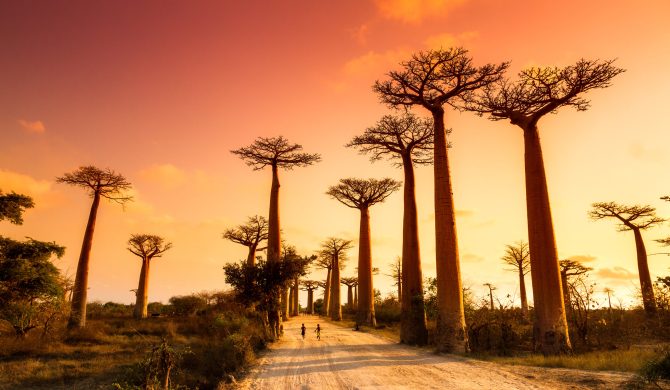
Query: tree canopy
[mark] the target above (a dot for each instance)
(252, 233)
(275, 151)
(362, 193)
(13, 205)
(629, 217)
(148, 246)
(104, 182)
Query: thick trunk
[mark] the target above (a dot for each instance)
(251, 257)
(273, 321)
(296, 300)
(646, 287)
(366, 303)
(350, 297)
(291, 291)
(274, 232)
(550, 327)
(310, 301)
(400, 291)
(325, 309)
(142, 293)
(356, 297)
(413, 313)
(335, 302)
(80, 289)
(522, 292)
(450, 332)
(285, 303)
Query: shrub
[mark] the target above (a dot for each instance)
(657, 369)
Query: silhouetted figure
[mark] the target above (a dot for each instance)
(318, 331)
(302, 331)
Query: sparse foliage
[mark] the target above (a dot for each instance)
(13, 205)
(250, 235)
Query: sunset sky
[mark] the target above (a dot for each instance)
(161, 91)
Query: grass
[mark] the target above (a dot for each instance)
(631, 360)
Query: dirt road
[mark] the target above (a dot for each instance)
(345, 359)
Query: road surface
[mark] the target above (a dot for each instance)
(346, 359)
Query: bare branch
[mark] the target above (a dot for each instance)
(250, 234)
(630, 217)
(518, 256)
(363, 193)
(105, 182)
(275, 151)
(148, 246)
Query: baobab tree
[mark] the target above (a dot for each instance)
(275, 152)
(13, 205)
(325, 261)
(335, 248)
(100, 183)
(518, 257)
(350, 282)
(406, 140)
(491, 289)
(433, 79)
(295, 301)
(633, 218)
(570, 269)
(146, 247)
(538, 92)
(250, 235)
(396, 274)
(361, 194)
(310, 286)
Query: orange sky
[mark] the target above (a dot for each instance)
(162, 90)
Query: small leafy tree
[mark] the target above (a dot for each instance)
(13, 205)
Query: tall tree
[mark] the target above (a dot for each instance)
(335, 248)
(250, 235)
(310, 286)
(361, 194)
(406, 140)
(491, 289)
(325, 261)
(432, 79)
(275, 152)
(13, 205)
(146, 247)
(517, 256)
(633, 218)
(100, 183)
(350, 282)
(295, 301)
(570, 269)
(538, 92)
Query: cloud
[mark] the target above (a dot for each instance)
(374, 63)
(166, 175)
(23, 184)
(616, 273)
(471, 258)
(582, 258)
(414, 11)
(446, 40)
(34, 127)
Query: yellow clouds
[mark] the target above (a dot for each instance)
(23, 184)
(374, 62)
(165, 175)
(36, 127)
(414, 11)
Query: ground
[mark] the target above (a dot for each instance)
(347, 359)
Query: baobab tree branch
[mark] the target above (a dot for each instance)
(359, 193)
(630, 217)
(277, 152)
(104, 182)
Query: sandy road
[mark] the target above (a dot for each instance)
(345, 359)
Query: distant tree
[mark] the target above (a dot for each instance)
(275, 152)
(261, 284)
(570, 271)
(396, 274)
(536, 93)
(30, 284)
(633, 218)
(335, 248)
(362, 194)
(310, 286)
(13, 205)
(187, 305)
(432, 79)
(250, 235)
(146, 247)
(325, 261)
(100, 183)
(491, 288)
(407, 140)
(350, 282)
(518, 257)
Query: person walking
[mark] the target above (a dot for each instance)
(302, 331)
(318, 332)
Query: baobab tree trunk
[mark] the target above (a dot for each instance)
(251, 257)
(350, 297)
(400, 291)
(80, 290)
(566, 293)
(491, 299)
(522, 292)
(366, 303)
(141, 300)
(274, 238)
(648, 300)
(450, 332)
(296, 300)
(310, 301)
(335, 304)
(291, 291)
(413, 313)
(325, 310)
(550, 328)
(356, 297)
